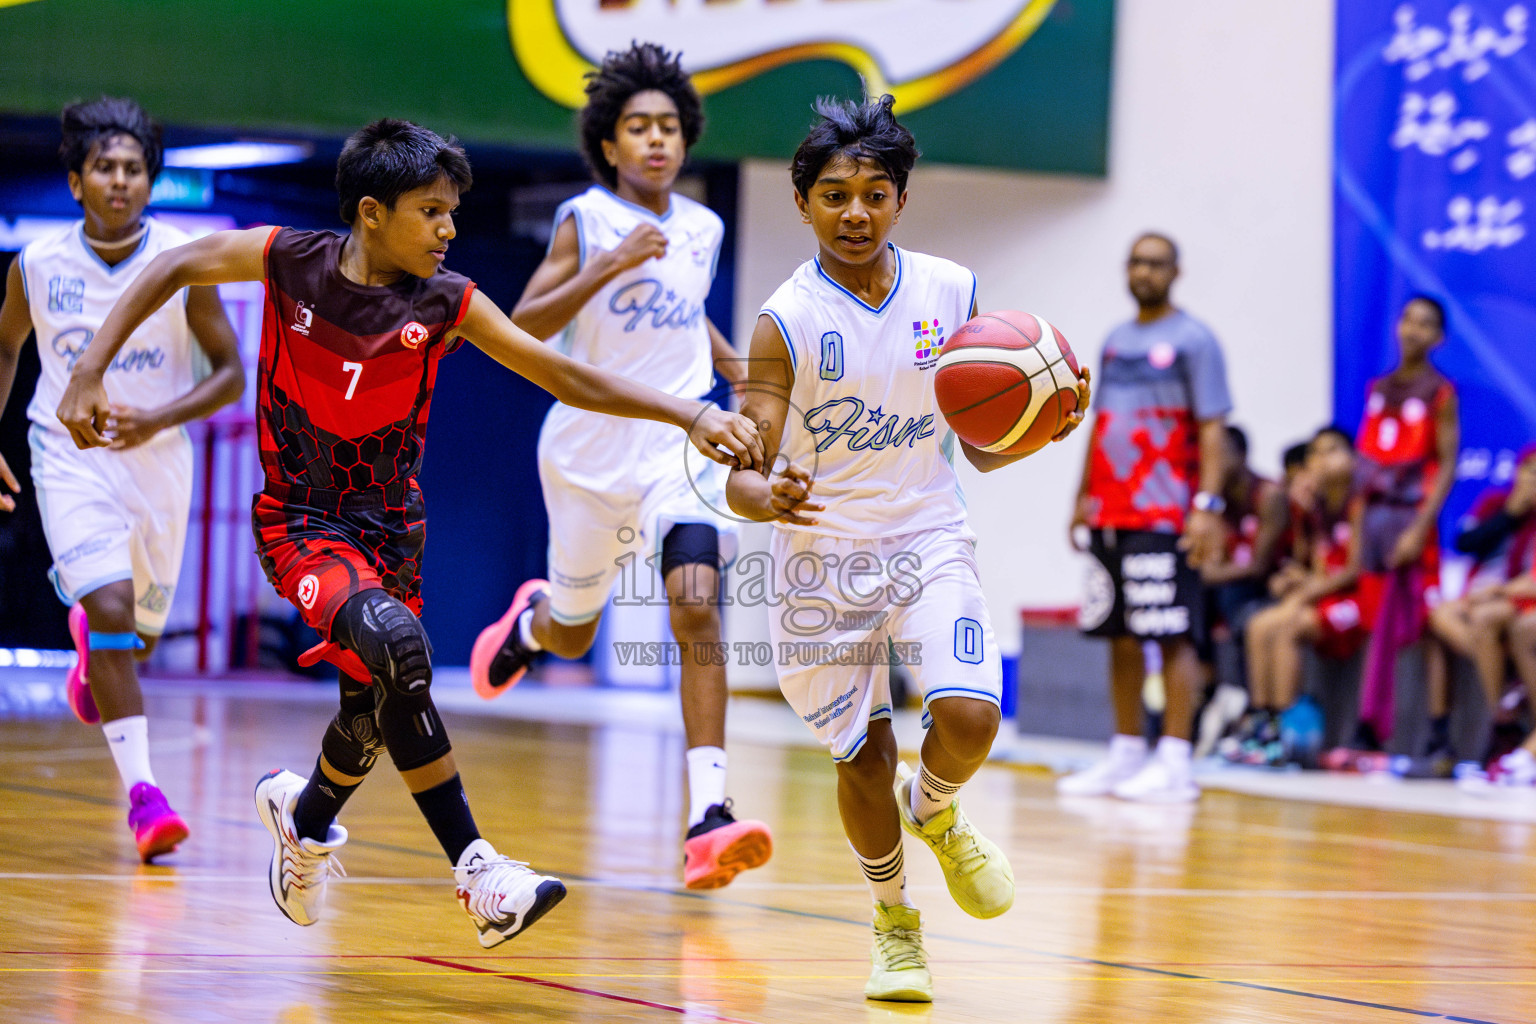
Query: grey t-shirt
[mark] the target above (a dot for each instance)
(1157, 381)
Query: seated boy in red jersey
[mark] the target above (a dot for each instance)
(1331, 609)
(1500, 536)
(353, 331)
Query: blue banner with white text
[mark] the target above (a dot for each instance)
(1435, 191)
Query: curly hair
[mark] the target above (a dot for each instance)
(642, 67)
(860, 130)
(85, 124)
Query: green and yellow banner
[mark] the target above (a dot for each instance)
(1007, 83)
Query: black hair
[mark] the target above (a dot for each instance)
(1433, 303)
(1333, 429)
(1295, 456)
(85, 124)
(1158, 236)
(857, 129)
(641, 68)
(1237, 437)
(389, 158)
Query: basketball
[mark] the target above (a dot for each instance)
(1006, 382)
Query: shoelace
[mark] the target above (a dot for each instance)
(310, 869)
(901, 949)
(490, 881)
(959, 843)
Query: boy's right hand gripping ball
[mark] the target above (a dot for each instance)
(1006, 382)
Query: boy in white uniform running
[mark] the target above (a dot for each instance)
(880, 562)
(115, 519)
(623, 287)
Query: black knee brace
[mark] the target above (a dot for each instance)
(388, 637)
(352, 742)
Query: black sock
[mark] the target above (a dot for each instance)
(446, 809)
(319, 804)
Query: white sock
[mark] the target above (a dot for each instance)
(930, 794)
(128, 739)
(1519, 758)
(1125, 749)
(1175, 754)
(887, 877)
(706, 781)
(525, 630)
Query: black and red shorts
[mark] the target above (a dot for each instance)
(320, 548)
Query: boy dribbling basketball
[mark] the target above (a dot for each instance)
(880, 558)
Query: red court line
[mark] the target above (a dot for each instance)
(710, 1014)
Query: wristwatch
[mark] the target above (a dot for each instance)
(1205, 501)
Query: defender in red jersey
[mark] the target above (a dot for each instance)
(353, 331)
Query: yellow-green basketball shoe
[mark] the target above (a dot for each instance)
(979, 876)
(899, 967)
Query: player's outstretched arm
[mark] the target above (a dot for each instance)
(15, 325)
(762, 494)
(589, 387)
(561, 285)
(131, 427)
(219, 258)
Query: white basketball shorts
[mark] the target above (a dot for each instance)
(112, 516)
(851, 606)
(598, 535)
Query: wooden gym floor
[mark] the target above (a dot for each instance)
(1243, 909)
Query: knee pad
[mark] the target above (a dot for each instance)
(389, 640)
(388, 637)
(690, 544)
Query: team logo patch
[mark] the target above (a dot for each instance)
(303, 317)
(309, 589)
(1414, 410)
(412, 334)
(1162, 355)
(927, 339)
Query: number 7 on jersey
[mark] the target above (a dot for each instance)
(356, 370)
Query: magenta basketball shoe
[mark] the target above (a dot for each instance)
(76, 688)
(156, 828)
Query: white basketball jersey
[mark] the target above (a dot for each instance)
(70, 291)
(647, 324)
(863, 419)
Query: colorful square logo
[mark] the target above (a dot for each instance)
(927, 337)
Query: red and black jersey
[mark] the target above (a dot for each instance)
(1399, 437)
(344, 382)
(1244, 515)
(1330, 532)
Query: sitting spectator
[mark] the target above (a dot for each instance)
(1256, 517)
(1256, 521)
(1518, 768)
(1498, 534)
(1328, 605)
(1300, 491)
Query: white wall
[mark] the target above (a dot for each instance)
(1220, 136)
